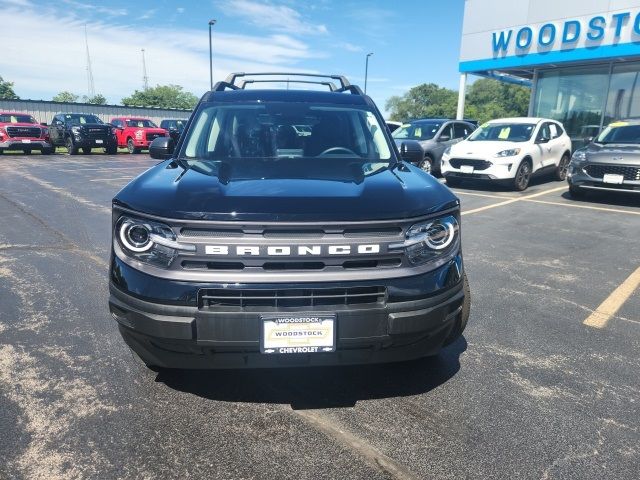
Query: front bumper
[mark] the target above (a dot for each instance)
(578, 177)
(416, 320)
(504, 170)
(88, 142)
(21, 144)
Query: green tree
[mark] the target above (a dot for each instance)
(65, 96)
(6, 90)
(488, 99)
(164, 96)
(97, 99)
(426, 100)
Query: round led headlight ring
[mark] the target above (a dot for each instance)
(440, 235)
(135, 236)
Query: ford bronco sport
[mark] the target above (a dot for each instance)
(252, 245)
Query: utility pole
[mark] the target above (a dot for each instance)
(90, 87)
(145, 78)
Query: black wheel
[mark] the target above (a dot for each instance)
(111, 150)
(73, 150)
(453, 181)
(86, 150)
(463, 318)
(426, 165)
(523, 176)
(48, 151)
(27, 151)
(562, 168)
(1, 151)
(576, 192)
(131, 146)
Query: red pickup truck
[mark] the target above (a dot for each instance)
(20, 131)
(136, 133)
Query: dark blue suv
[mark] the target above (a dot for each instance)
(284, 228)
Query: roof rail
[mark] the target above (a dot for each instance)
(230, 81)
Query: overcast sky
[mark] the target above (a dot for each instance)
(413, 41)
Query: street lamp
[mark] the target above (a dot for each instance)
(211, 24)
(366, 71)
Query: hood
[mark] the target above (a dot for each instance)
(167, 191)
(618, 153)
(21, 124)
(484, 149)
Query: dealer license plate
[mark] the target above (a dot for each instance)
(298, 333)
(466, 168)
(612, 178)
(24, 140)
(99, 141)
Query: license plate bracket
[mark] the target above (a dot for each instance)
(291, 333)
(613, 178)
(466, 168)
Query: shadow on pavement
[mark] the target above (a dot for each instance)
(319, 387)
(611, 198)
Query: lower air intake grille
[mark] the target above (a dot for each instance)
(225, 299)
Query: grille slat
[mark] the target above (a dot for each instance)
(291, 298)
(599, 171)
(476, 164)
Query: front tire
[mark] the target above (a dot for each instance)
(131, 147)
(453, 181)
(48, 151)
(523, 176)
(463, 318)
(86, 150)
(111, 150)
(27, 151)
(71, 148)
(562, 168)
(576, 192)
(426, 165)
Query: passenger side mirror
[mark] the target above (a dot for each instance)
(444, 138)
(588, 140)
(543, 140)
(411, 151)
(162, 148)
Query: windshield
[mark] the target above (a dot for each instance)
(302, 139)
(140, 123)
(417, 131)
(503, 132)
(620, 132)
(13, 118)
(82, 119)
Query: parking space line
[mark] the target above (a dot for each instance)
(110, 179)
(485, 195)
(589, 207)
(608, 308)
(513, 200)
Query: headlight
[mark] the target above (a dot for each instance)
(430, 240)
(446, 153)
(508, 153)
(579, 156)
(45, 132)
(149, 242)
(76, 129)
(114, 130)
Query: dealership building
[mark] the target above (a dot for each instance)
(580, 57)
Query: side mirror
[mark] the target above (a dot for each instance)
(543, 140)
(588, 140)
(411, 151)
(162, 148)
(444, 138)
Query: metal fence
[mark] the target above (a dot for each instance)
(43, 110)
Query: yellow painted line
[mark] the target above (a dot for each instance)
(485, 195)
(111, 179)
(513, 200)
(588, 207)
(608, 308)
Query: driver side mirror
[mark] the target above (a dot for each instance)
(444, 138)
(543, 140)
(411, 152)
(162, 148)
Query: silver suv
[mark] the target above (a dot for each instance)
(610, 162)
(434, 136)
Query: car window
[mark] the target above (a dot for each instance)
(140, 123)
(424, 130)
(447, 130)
(14, 118)
(460, 130)
(544, 132)
(502, 132)
(554, 130)
(620, 132)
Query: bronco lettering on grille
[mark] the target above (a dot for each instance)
(302, 250)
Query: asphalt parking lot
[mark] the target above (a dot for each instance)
(532, 391)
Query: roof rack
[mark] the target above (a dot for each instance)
(230, 81)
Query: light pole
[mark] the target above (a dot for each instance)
(211, 24)
(366, 71)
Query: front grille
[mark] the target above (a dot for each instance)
(152, 136)
(476, 164)
(294, 265)
(292, 233)
(217, 298)
(599, 171)
(24, 132)
(95, 132)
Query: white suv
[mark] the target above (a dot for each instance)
(511, 151)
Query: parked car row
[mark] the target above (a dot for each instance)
(82, 132)
(512, 151)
